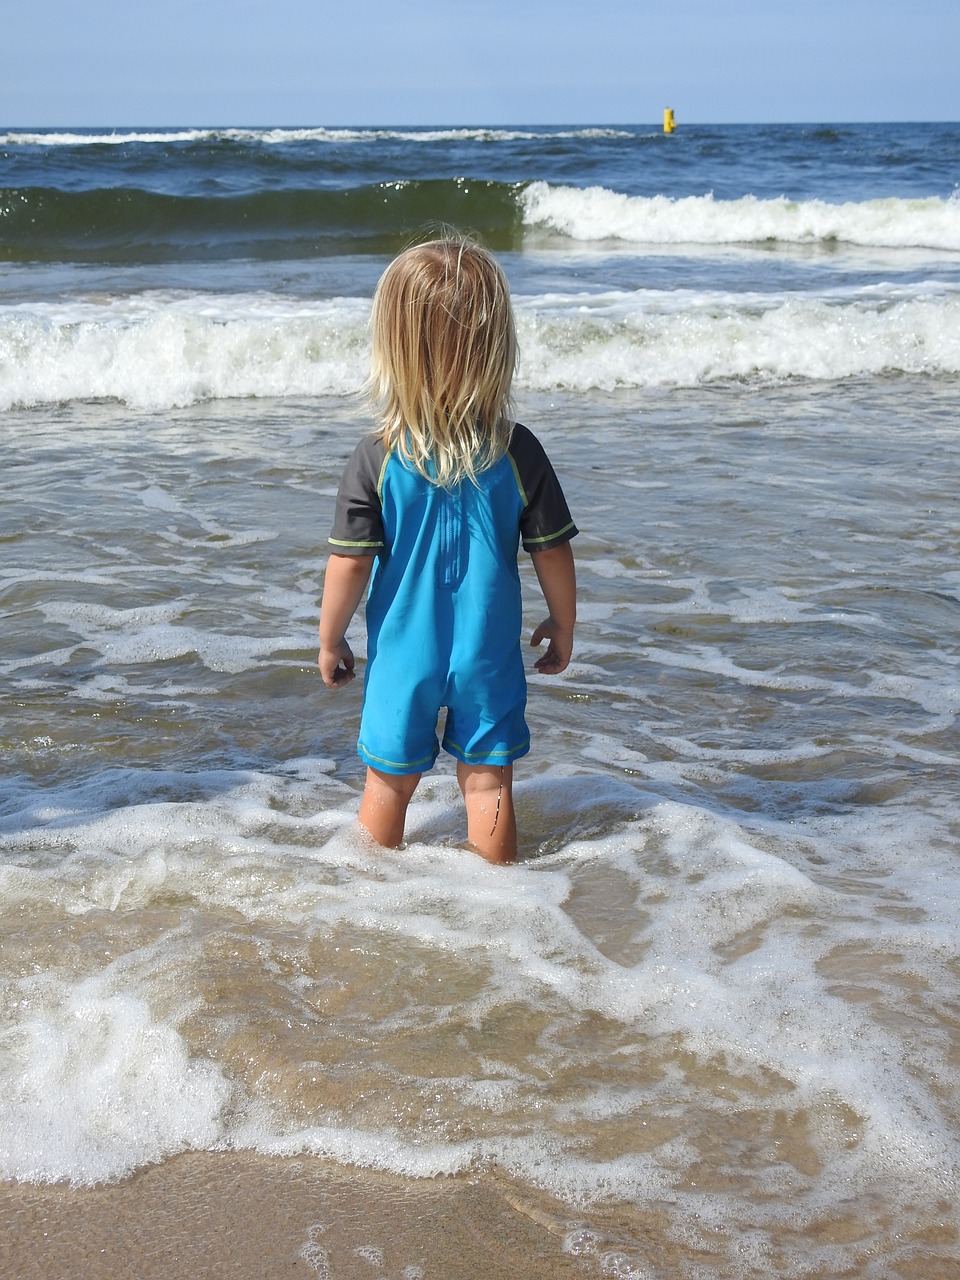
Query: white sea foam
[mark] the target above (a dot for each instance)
(710, 946)
(160, 350)
(163, 349)
(667, 339)
(158, 634)
(597, 213)
(278, 136)
(92, 1087)
(113, 137)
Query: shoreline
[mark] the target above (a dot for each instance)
(254, 1217)
(207, 1215)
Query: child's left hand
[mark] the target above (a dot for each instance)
(559, 650)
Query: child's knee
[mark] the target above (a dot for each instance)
(475, 779)
(399, 785)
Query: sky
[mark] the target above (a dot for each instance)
(378, 62)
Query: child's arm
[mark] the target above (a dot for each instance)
(558, 582)
(344, 583)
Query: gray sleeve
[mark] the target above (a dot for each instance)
(358, 518)
(546, 521)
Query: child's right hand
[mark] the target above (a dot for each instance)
(336, 665)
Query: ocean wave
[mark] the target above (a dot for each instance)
(596, 214)
(163, 349)
(160, 350)
(686, 338)
(130, 224)
(287, 135)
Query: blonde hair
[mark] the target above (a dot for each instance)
(444, 354)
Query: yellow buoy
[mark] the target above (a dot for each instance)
(669, 124)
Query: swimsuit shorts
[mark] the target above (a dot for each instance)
(484, 722)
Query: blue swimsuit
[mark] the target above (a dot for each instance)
(443, 612)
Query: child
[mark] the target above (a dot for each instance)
(434, 504)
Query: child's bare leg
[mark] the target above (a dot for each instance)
(383, 809)
(491, 821)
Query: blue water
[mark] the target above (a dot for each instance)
(829, 162)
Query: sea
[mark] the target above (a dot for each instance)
(709, 1025)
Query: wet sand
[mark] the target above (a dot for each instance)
(255, 1218)
(250, 1217)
